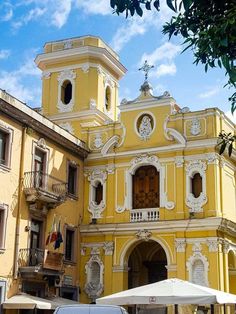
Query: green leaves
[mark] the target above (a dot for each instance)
(208, 28)
(226, 141)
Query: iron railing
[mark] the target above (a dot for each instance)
(45, 182)
(30, 257)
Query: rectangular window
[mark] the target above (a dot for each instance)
(39, 167)
(3, 223)
(5, 139)
(69, 244)
(72, 179)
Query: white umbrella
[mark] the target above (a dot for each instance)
(26, 301)
(170, 291)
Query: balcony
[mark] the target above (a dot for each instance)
(144, 214)
(40, 262)
(45, 188)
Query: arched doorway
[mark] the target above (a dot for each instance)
(147, 264)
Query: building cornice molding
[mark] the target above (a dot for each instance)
(216, 223)
(30, 118)
(209, 143)
(44, 59)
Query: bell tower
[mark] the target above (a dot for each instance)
(80, 79)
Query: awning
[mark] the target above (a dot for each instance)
(169, 291)
(26, 301)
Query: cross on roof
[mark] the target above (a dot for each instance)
(146, 68)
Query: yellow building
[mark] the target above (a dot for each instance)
(41, 177)
(156, 200)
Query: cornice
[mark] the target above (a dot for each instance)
(81, 115)
(30, 118)
(160, 226)
(146, 103)
(44, 59)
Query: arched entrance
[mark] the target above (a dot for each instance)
(147, 264)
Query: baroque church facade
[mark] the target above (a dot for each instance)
(148, 196)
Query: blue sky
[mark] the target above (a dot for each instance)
(27, 24)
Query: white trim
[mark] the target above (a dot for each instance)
(81, 115)
(123, 258)
(66, 75)
(94, 291)
(112, 142)
(82, 66)
(143, 113)
(143, 160)
(157, 226)
(43, 60)
(95, 177)
(195, 204)
(190, 263)
(144, 104)
(172, 134)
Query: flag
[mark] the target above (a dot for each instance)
(59, 239)
(53, 232)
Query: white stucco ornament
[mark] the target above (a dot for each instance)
(98, 143)
(195, 128)
(145, 127)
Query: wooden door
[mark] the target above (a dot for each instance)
(146, 188)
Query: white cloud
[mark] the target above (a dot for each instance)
(136, 25)
(21, 83)
(94, 6)
(32, 15)
(167, 51)
(54, 13)
(132, 28)
(61, 14)
(210, 92)
(4, 54)
(165, 69)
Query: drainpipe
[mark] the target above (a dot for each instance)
(19, 200)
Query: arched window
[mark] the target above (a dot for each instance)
(108, 98)
(146, 190)
(66, 92)
(196, 182)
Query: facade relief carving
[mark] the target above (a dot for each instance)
(97, 141)
(108, 248)
(145, 127)
(213, 245)
(143, 235)
(195, 128)
(180, 245)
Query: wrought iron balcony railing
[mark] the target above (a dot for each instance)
(30, 257)
(34, 258)
(48, 188)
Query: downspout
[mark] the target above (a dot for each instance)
(20, 189)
